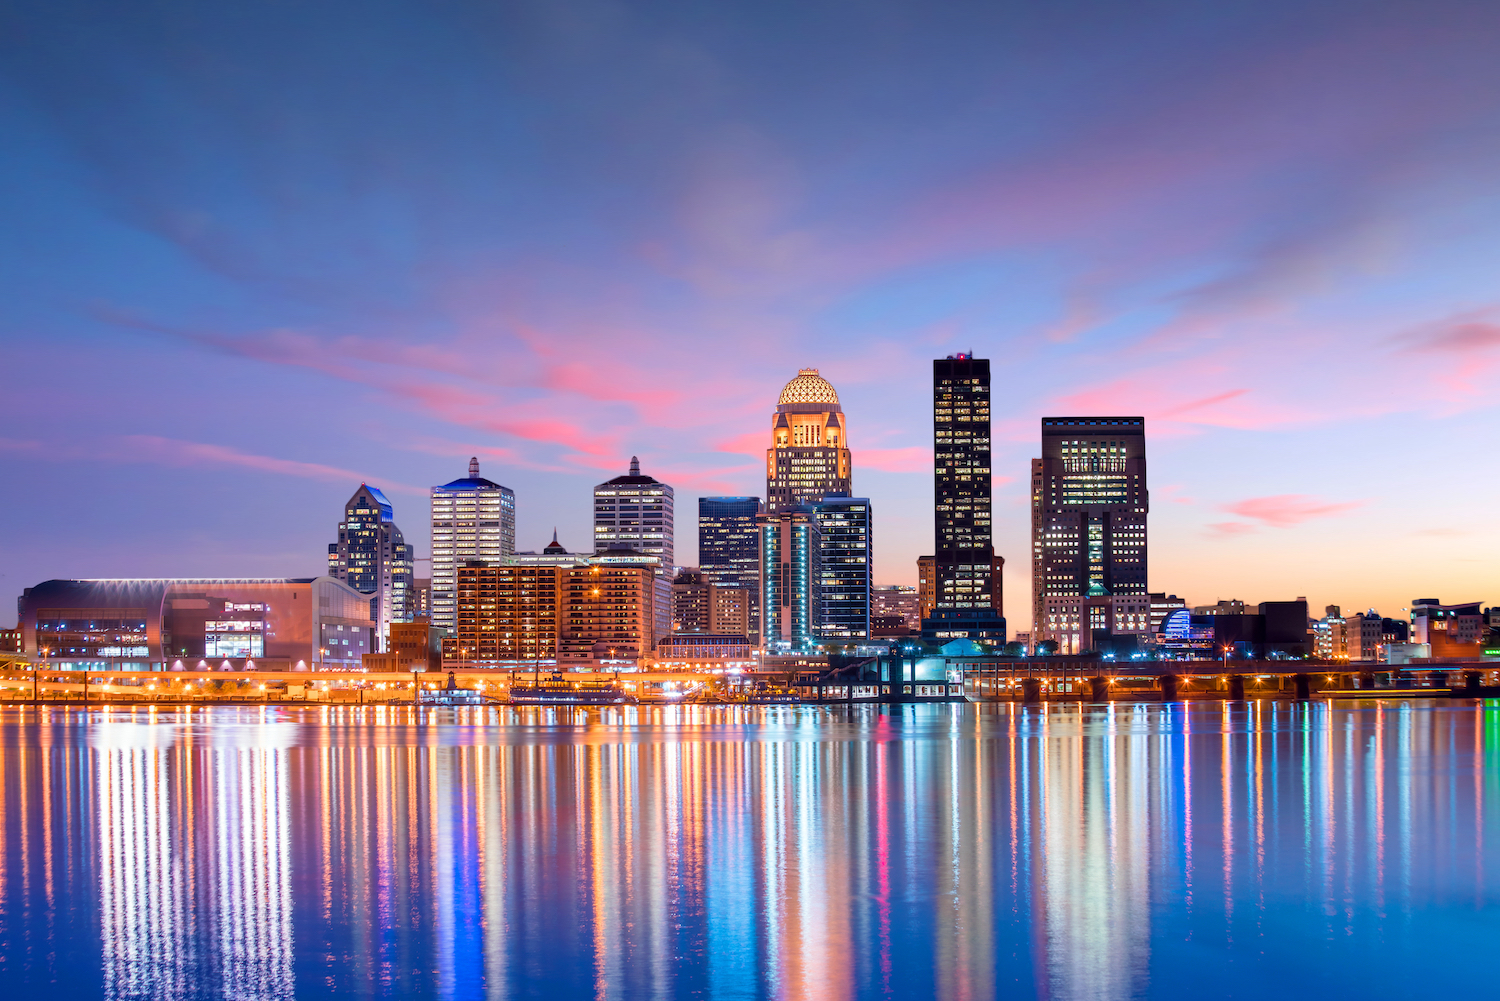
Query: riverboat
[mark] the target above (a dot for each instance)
(558, 692)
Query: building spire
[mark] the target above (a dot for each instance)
(474, 468)
(635, 466)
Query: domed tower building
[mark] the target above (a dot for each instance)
(809, 454)
(815, 539)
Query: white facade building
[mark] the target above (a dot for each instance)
(635, 512)
(472, 519)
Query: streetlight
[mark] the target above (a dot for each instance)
(35, 697)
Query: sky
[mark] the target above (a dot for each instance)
(252, 255)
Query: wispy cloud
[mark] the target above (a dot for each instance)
(177, 453)
(1278, 511)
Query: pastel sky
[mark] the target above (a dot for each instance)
(252, 254)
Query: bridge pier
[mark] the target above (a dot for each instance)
(1098, 690)
(1031, 690)
(1472, 681)
(1169, 687)
(1303, 684)
(1366, 680)
(1236, 688)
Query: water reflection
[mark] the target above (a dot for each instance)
(956, 852)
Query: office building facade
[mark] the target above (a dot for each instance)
(809, 456)
(964, 584)
(896, 601)
(635, 512)
(700, 606)
(790, 571)
(613, 611)
(372, 556)
(472, 519)
(506, 614)
(845, 566)
(1088, 517)
(729, 549)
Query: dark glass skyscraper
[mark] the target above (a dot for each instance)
(372, 557)
(964, 555)
(1088, 521)
(729, 547)
(846, 528)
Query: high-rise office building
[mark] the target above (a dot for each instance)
(809, 454)
(635, 512)
(729, 548)
(372, 557)
(472, 519)
(791, 572)
(1088, 523)
(964, 584)
(846, 533)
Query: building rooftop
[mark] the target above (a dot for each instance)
(633, 478)
(809, 387)
(473, 481)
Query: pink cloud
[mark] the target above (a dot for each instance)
(750, 443)
(1285, 510)
(1229, 529)
(1171, 492)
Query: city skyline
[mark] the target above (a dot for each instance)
(1263, 230)
(1020, 620)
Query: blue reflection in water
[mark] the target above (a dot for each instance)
(1233, 850)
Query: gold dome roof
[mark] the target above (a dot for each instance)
(809, 387)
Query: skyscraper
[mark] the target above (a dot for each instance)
(1088, 527)
(964, 598)
(472, 519)
(791, 572)
(845, 532)
(809, 454)
(729, 548)
(635, 512)
(372, 557)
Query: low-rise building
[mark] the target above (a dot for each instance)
(897, 601)
(302, 623)
(703, 651)
(1450, 631)
(1105, 623)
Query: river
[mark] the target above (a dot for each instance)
(1203, 850)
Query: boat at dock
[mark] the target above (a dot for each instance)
(558, 692)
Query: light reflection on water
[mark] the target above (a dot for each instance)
(937, 851)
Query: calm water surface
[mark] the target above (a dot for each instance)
(781, 852)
